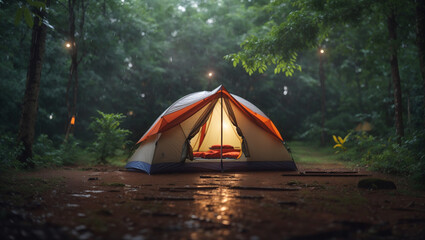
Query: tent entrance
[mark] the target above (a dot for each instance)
(206, 143)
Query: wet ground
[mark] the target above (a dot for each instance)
(108, 203)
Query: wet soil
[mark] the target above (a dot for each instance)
(109, 203)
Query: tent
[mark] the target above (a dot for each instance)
(211, 131)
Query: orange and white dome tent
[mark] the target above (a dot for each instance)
(211, 130)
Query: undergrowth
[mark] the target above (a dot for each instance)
(387, 156)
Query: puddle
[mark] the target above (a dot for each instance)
(94, 191)
(131, 190)
(249, 197)
(81, 195)
(165, 198)
(80, 228)
(72, 205)
(192, 224)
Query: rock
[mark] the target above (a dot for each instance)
(376, 183)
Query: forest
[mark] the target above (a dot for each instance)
(343, 81)
(317, 68)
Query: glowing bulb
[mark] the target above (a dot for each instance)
(210, 74)
(285, 90)
(322, 51)
(68, 45)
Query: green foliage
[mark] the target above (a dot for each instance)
(46, 152)
(340, 142)
(52, 154)
(310, 129)
(109, 136)
(385, 155)
(253, 62)
(9, 152)
(138, 57)
(24, 10)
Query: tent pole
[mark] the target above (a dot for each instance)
(221, 126)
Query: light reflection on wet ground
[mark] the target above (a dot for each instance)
(124, 205)
(218, 207)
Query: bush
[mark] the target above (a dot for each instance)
(9, 151)
(47, 154)
(385, 155)
(109, 137)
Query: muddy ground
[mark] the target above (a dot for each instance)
(109, 203)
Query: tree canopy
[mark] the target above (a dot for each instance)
(137, 57)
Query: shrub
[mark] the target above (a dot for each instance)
(109, 136)
(45, 153)
(9, 151)
(385, 155)
(48, 154)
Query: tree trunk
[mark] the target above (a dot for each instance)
(420, 39)
(32, 89)
(322, 98)
(73, 71)
(389, 119)
(395, 75)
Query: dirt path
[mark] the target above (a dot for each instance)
(106, 203)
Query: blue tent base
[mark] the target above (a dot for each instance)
(228, 166)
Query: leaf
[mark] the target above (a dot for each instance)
(345, 139)
(28, 17)
(341, 140)
(335, 139)
(338, 145)
(18, 16)
(37, 4)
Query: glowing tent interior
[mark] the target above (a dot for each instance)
(211, 131)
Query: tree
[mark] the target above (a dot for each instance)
(73, 69)
(420, 39)
(278, 47)
(32, 87)
(305, 26)
(395, 74)
(322, 79)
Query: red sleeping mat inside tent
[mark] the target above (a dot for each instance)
(199, 154)
(214, 153)
(217, 147)
(234, 154)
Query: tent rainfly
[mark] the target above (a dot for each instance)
(211, 131)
